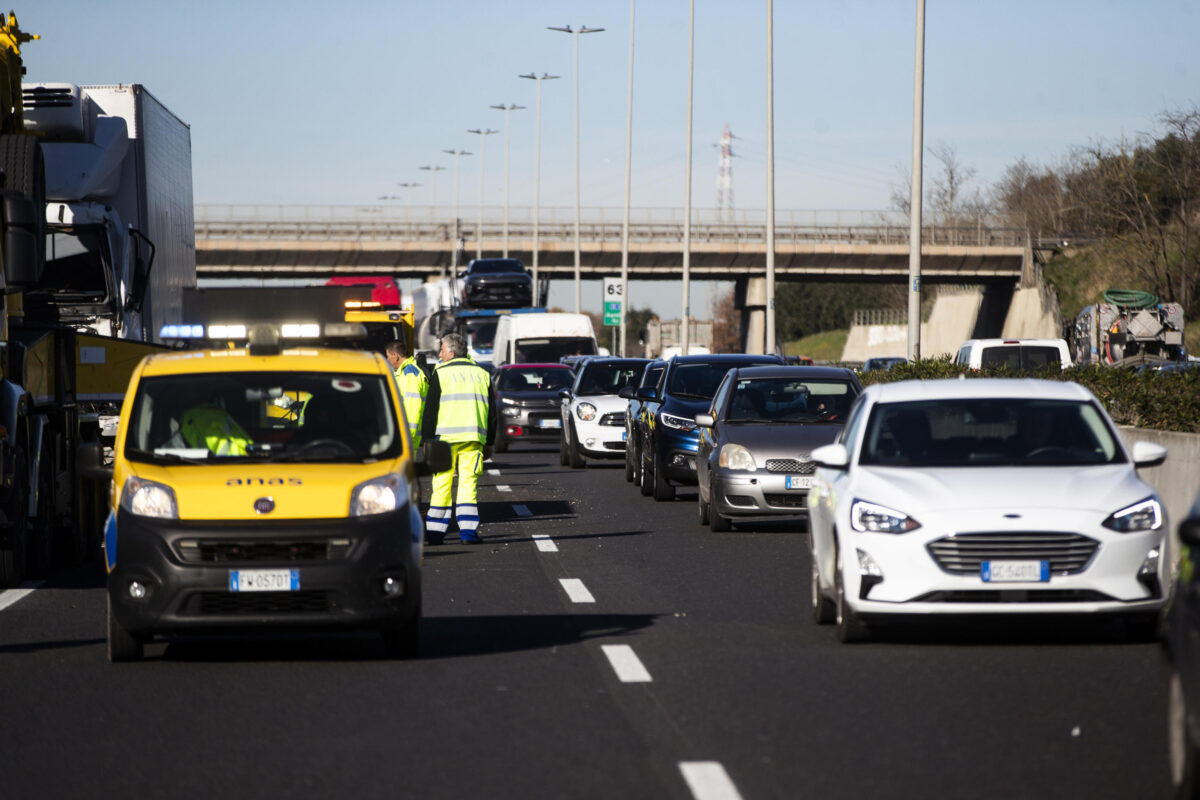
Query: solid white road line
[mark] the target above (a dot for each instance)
(504, 488)
(708, 780)
(15, 595)
(576, 590)
(522, 511)
(626, 664)
(545, 543)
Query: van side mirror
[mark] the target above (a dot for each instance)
(432, 457)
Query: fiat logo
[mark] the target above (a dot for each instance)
(264, 505)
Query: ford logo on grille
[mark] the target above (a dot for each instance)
(264, 505)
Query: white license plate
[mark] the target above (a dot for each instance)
(550, 423)
(798, 482)
(264, 580)
(1014, 571)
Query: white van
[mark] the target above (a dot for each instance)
(1017, 354)
(542, 338)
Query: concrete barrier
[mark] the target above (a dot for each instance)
(1178, 479)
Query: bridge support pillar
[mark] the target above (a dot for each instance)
(750, 295)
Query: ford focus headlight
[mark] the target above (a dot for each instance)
(149, 499)
(870, 518)
(1145, 515)
(686, 424)
(379, 496)
(585, 411)
(734, 456)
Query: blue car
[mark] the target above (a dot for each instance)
(668, 438)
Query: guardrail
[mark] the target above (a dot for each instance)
(654, 225)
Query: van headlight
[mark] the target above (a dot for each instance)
(149, 499)
(1144, 515)
(734, 456)
(379, 495)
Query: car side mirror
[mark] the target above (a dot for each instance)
(625, 392)
(1148, 454)
(646, 394)
(432, 457)
(705, 420)
(1189, 531)
(564, 394)
(832, 456)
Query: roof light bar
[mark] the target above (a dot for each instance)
(300, 330)
(227, 331)
(181, 332)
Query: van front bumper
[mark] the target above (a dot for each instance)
(344, 573)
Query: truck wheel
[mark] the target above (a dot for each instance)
(24, 170)
(662, 489)
(43, 532)
(14, 555)
(403, 641)
(122, 645)
(574, 453)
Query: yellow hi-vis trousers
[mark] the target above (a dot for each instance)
(466, 460)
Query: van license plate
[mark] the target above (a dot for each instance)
(264, 580)
(1014, 571)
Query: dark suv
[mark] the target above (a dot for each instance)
(497, 283)
(668, 438)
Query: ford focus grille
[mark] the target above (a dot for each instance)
(964, 554)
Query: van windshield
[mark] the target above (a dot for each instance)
(549, 349)
(271, 416)
(1021, 357)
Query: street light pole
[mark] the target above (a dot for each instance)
(483, 134)
(685, 323)
(537, 174)
(506, 109)
(914, 210)
(770, 343)
(576, 33)
(454, 255)
(408, 198)
(628, 165)
(433, 171)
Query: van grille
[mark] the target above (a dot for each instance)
(279, 550)
(237, 603)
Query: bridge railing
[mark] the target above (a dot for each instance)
(597, 225)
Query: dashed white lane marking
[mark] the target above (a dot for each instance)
(626, 664)
(493, 472)
(15, 595)
(708, 780)
(522, 511)
(504, 488)
(576, 590)
(545, 543)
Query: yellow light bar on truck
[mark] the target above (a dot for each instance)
(363, 304)
(227, 331)
(300, 330)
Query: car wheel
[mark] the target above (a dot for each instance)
(122, 645)
(849, 627)
(574, 453)
(703, 505)
(562, 449)
(630, 472)
(403, 641)
(662, 489)
(823, 611)
(645, 477)
(1182, 748)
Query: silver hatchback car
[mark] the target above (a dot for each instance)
(756, 440)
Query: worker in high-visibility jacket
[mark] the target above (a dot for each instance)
(459, 411)
(413, 385)
(211, 426)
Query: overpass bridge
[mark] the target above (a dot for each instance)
(296, 242)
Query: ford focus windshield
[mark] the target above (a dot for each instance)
(273, 416)
(988, 432)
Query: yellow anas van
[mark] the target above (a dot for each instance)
(259, 488)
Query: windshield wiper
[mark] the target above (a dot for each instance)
(690, 394)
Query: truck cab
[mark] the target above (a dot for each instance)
(242, 500)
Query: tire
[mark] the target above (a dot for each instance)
(849, 627)
(718, 523)
(563, 459)
(703, 506)
(122, 645)
(14, 557)
(630, 471)
(43, 531)
(403, 641)
(1182, 748)
(645, 479)
(574, 454)
(25, 172)
(823, 611)
(662, 489)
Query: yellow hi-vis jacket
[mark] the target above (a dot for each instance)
(212, 427)
(413, 386)
(458, 405)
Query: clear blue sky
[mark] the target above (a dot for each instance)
(312, 103)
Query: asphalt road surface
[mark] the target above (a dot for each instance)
(598, 645)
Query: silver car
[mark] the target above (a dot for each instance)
(757, 437)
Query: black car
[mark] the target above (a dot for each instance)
(633, 408)
(669, 438)
(1183, 650)
(497, 283)
(528, 402)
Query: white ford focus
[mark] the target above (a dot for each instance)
(984, 496)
